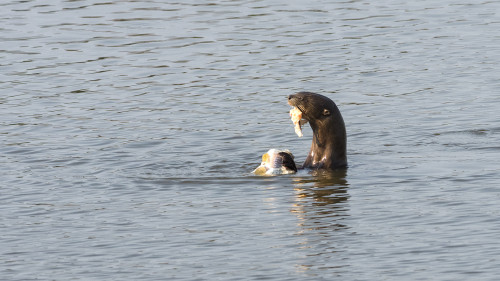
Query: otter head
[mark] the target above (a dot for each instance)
(276, 162)
(328, 148)
(314, 107)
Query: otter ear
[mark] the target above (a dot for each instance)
(326, 112)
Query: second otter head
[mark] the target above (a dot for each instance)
(276, 162)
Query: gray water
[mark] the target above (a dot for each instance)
(129, 130)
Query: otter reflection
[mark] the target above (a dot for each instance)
(321, 209)
(320, 199)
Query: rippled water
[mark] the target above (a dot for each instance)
(129, 130)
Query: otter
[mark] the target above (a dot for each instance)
(276, 162)
(328, 148)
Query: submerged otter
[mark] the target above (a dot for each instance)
(276, 162)
(328, 148)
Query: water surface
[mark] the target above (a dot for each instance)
(129, 130)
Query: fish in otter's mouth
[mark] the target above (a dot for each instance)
(296, 116)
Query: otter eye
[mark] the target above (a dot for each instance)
(300, 98)
(326, 112)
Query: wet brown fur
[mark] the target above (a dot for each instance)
(328, 148)
(287, 161)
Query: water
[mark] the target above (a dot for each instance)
(129, 130)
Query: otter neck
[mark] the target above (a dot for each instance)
(328, 148)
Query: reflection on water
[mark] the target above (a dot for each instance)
(321, 198)
(321, 209)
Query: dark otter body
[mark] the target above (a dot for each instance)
(328, 148)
